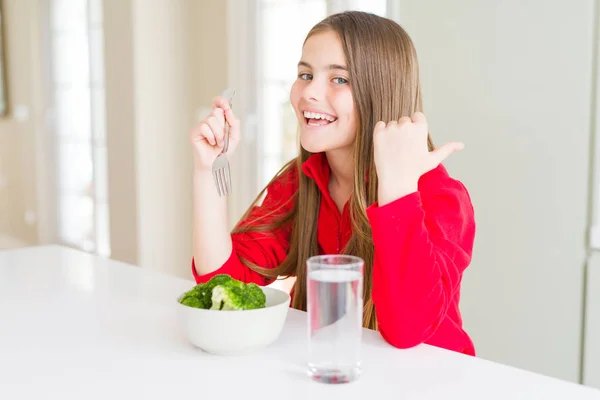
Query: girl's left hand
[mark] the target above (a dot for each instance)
(402, 155)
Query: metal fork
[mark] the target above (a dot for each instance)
(220, 167)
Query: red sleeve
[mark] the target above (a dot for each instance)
(423, 243)
(266, 249)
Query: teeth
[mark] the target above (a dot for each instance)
(314, 115)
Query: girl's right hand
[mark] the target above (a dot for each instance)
(208, 136)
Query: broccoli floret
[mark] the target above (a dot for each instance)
(255, 297)
(194, 297)
(222, 292)
(191, 301)
(235, 295)
(207, 289)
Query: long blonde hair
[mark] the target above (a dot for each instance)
(384, 77)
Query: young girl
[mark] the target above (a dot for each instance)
(367, 182)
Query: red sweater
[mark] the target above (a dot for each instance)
(423, 243)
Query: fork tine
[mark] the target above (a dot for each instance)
(228, 175)
(223, 183)
(226, 181)
(216, 179)
(220, 166)
(219, 185)
(220, 182)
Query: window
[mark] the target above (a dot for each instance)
(77, 66)
(278, 55)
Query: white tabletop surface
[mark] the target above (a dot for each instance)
(75, 326)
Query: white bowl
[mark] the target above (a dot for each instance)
(235, 332)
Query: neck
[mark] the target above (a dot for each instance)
(341, 164)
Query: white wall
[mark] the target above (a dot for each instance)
(120, 130)
(19, 130)
(163, 118)
(512, 79)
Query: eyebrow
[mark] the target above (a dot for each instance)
(330, 66)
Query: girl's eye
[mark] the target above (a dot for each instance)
(340, 81)
(305, 77)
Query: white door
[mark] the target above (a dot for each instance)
(591, 356)
(512, 79)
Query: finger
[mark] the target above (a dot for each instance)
(221, 102)
(219, 113)
(442, 152)
(216, 128)
(234, 125)
(216, 121)
(419, 118)
(206, 132)
(379, 127)
(404, 121)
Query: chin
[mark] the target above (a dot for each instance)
(312, 144)
(319, 139)
(312, 149)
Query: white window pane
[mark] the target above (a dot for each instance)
(73, 113)
(100, 174)
(98, 109)
(289, 124)
(283, 30)
(274, 98)
(76, 222)
(77, 51)
(95, 13)
(373, 6)
(97, 56)
(271, 165)
(75, 170)
(68, 15)
(378, 7)
(102, 230)
(70, 63)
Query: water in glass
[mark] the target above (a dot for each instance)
(335, 309)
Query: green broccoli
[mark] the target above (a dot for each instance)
(207, 289)
(255, 297)
(191, 301)
(194, 298)
(225, 293)
(235, 295)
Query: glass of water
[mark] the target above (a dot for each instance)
(335, 309)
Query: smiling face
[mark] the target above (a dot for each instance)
(322, 97)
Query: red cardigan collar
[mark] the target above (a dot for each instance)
(317, 168)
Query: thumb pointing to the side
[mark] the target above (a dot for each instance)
(443, 152)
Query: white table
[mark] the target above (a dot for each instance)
(75, 326)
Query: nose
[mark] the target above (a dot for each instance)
(313, 91)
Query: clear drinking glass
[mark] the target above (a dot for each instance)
(335, 309)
